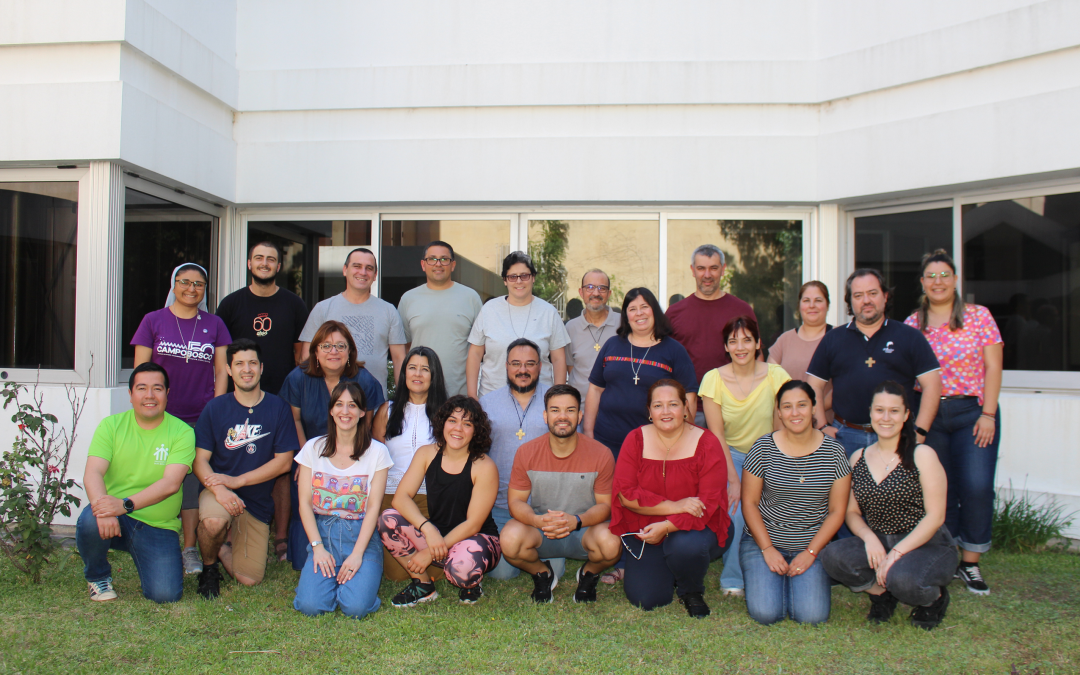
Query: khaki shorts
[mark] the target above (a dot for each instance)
(250, 539)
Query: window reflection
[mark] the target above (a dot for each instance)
(344, 236)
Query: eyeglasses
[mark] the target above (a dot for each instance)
(935, 275)
(516, 365)
(339, 347)
(596, 287)
(438, 261)
(518, 277)
(622, 538)
(184, 283)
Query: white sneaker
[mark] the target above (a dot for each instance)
(100, 591)
(192, 561)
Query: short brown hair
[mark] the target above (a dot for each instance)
(668, 382)
(313, 368)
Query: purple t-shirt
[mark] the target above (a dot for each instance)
(185, 349)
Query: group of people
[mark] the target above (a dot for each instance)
(862, 455)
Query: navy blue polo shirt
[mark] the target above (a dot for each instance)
(857, 365)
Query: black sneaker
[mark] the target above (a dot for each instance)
(544, 583)
(470, 596)
(881, 607)
(210, 581)
(695, 605)
(930, 616)
(972, 578)
(415, 593)
(586, 586)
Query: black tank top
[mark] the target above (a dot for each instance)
(448, 497)
(893, 506)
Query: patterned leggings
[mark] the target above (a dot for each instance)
(466, 562)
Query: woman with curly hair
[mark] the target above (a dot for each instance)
(460, 536)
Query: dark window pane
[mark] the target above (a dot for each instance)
(895, 244)
(1022, 261)
(158, 236)
(38, 228)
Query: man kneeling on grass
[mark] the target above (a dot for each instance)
(568, 477)
(244, 440)
(136, 464)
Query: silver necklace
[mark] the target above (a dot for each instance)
(638, 369)
(521, 418)
(510, 316)
(198, 315)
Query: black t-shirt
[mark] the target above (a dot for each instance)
(274, 322)
(856, 365)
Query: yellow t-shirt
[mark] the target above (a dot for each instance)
(745, 420)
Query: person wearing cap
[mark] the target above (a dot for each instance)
(189, 342)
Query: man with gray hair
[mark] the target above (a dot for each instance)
(588, 332)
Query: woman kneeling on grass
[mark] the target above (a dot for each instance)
(795, 487)
(341, 481)
(901, 550)
(462, 482)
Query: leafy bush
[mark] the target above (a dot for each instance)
(1024, 522)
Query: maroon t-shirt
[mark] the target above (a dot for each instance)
(699, 326)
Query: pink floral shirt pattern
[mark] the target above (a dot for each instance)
(963, 370)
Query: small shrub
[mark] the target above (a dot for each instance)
(1024, 522)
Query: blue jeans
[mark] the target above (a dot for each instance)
(154, 550)
(505, 570)
(731, 576)
(770, 597)
(854, 439)
(359, 596)
(679, 562)
(969, 506)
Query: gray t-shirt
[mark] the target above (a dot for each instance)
(500, 323)
(585, 343)
(507, 418)
(374, 324)
(442, 320)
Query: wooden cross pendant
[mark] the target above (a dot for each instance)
(520, 434)
(596, 346)
(870, 362)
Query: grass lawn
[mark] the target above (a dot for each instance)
(1032, 621)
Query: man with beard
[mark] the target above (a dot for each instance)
(863, 354)
(560, 498)
(244, 440)
(516, 413)
(273, 317)
(591, 330)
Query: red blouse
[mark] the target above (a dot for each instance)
(642, 480)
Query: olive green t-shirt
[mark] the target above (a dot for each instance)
(137, 458)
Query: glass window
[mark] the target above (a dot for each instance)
(764, 266)
(158, 236)
(895, 244)
(564, 250)
(1022, 261)
(479, 249)
(38, 228)
(299, 248)
(344, 236)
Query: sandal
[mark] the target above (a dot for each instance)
(613, 576)
(281, 549)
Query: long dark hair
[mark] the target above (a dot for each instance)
(956, 319)
(436, 394)
(481, 440)
(362, 440)
(661, 325)
(908, 442)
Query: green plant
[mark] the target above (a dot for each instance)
(1023, 522)
(549, 255)
(34, 485)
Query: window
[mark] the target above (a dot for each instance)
(38, 227)
(764, 266)
(1022, 261)
(345, 235)
(895, 243)
(158, 236)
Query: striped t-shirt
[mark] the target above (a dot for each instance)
(795, 495)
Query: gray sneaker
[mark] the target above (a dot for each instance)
(101, 591)
(192, 561)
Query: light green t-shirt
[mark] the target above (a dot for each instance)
(137, 458)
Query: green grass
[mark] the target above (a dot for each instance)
(1031, 620)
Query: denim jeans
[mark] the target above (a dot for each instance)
(154, 550)
(731, 576)
(770, 597)
(853, 439)
(969, 506)
(357, 597)
(679, 562)
(915, 579)
(505, 570)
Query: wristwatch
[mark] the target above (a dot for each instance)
(129, 505)
(314, 544)
(578, 523)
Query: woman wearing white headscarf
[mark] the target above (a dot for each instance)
(189, 343)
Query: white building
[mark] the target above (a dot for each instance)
(833, 133)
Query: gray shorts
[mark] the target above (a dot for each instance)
(567, 547)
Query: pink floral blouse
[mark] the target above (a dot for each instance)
(963, 370)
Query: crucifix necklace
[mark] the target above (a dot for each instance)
(521, 418)
(638, 369)
(596, 338)
(187, 359)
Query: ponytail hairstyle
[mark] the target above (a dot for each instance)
(956, 320)
(362, 439)
(908, 442)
